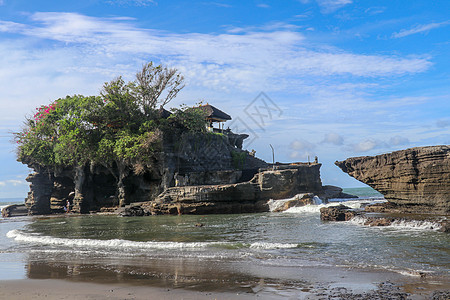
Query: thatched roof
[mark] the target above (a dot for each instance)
(214, 114)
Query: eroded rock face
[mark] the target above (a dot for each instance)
(207, 199)
(288, 181)
(244, 197)
(41, 188)
(416, 178)
(337, 213)
(194, 174)
(186, 160)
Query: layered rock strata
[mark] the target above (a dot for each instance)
(415, 179)
(193, 174)
(245, 197)
(14, 210)
(337, 213)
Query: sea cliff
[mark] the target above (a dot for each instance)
(412, 180)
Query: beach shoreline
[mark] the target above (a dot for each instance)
(247, 256)
(63, 289)
(53, 289)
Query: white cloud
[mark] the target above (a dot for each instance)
(333, 138)
(374, 143)
(301, 149)
(398, 141)
(236, 60)
(85, 51)
(218, 4)
(368, 145)
(131, 2)
(375, 10)
(263, 5)
(419, 29)
(13, 182)
(329, 6)
(301, 145)
(272, 26)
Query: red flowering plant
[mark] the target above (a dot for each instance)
(118, 126)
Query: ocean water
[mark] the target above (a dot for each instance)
(274, 252)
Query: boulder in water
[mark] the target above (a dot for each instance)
(337, 213)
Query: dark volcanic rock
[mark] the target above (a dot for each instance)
(418, 178)
(337, 213)
(41, 187)
(134, 211)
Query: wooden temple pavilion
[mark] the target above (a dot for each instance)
(214, 115)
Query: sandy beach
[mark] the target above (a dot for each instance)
(53, 289)
(60, 289)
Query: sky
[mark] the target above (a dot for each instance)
(326, 78)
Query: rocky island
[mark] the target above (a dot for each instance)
(120, 152)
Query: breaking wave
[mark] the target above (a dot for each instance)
(318, 204)
(119, 244)
(401, 224)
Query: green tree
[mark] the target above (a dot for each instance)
(122, 128)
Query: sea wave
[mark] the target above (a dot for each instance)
(119, 244)
(401, 224)
(318, 204)
(263, 245)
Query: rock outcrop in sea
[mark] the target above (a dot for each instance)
(411, 180)
(194, 174)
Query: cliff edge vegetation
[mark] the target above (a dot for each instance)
(120, 130)
(122, 125)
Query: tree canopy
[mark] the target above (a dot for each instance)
(124, 124)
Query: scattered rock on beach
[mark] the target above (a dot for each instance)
(386, 290)
(440, 295)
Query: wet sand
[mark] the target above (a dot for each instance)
(172, 279)
(351, 286)
(53, 289)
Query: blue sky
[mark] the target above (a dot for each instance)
(326, 78)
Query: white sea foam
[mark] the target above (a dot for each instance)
(263, 245)
(118, 244)
(318, 204)
(275, 204)
(315, 208)
(305, 209)
(401, 224)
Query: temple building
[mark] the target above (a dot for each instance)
(214, 115)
